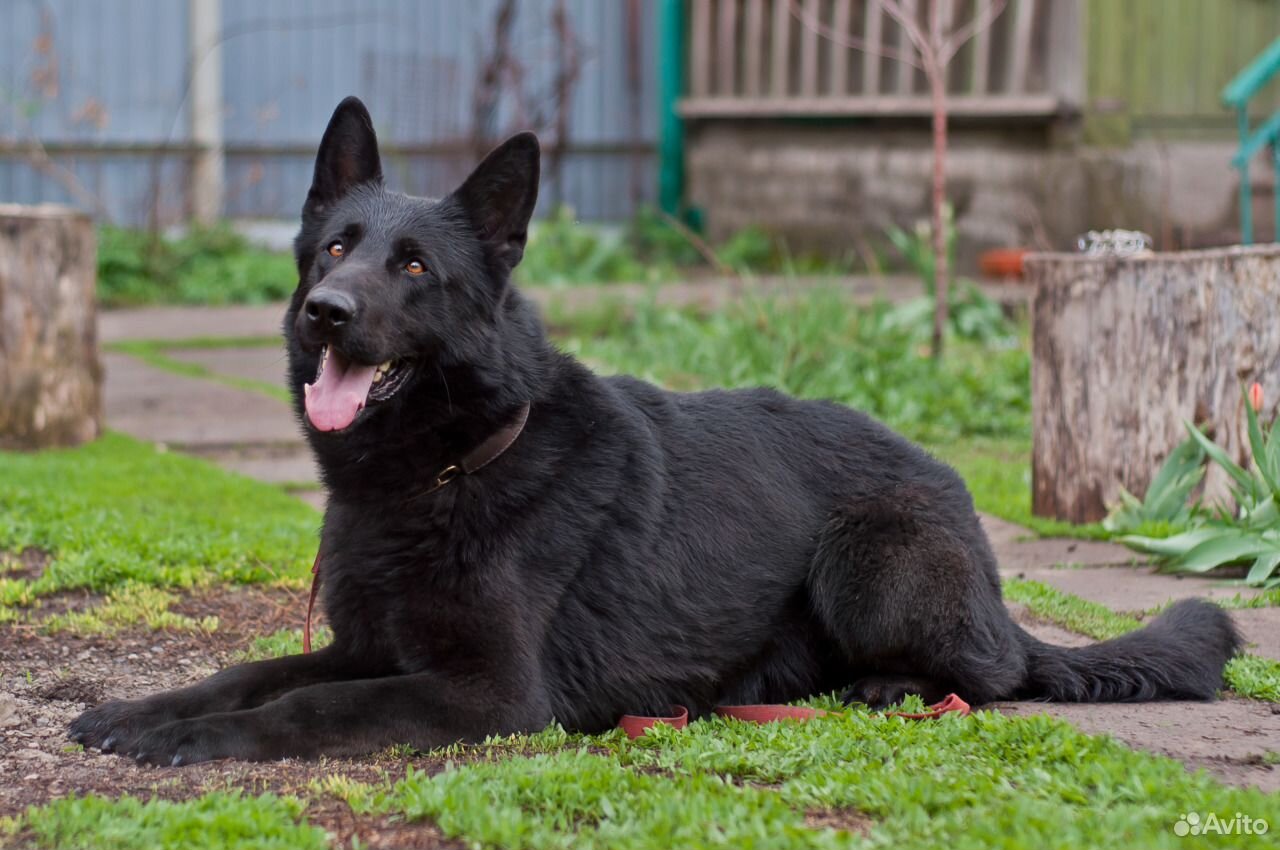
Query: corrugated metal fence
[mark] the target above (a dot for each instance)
(96, 101)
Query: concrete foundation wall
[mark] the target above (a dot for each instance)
(835, 187)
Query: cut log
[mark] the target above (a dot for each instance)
(50, 370)
(1125, 349)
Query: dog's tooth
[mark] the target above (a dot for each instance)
(306, 390)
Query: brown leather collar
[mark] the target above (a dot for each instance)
(485, 453)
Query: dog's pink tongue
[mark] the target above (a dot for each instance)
(336, 397)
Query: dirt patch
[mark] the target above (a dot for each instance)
(28, 564)
(337, 819)
(49, 679)
(844, 820)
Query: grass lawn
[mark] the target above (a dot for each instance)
(117, 512)
(141, 526)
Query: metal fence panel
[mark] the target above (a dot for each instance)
(103, 87)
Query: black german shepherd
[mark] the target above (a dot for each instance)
(511, 540)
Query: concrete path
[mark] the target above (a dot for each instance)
(257, 435)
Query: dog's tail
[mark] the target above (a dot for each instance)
(1179, 655)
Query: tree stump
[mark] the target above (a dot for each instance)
(50, 371)
(1125, 349)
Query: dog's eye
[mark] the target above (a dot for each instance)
(415, 267)
(336, 249)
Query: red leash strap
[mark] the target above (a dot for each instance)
(311, 603)
(636, 725)
(950, 703)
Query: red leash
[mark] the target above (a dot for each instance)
(311, 602)
(636, 725)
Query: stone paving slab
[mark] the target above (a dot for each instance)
(188, 322)
(1043, 630)
(267, 365)
(315, 498)
(1260, 628)
(159, 406)
(1131, 588)
(1020, 549)
(1230, 738)
(280, 464)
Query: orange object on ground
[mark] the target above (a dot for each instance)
(1002, 262)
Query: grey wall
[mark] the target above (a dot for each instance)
(836, 186)
(102, 85)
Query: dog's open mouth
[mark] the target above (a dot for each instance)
(342, 389)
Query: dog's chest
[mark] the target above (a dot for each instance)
(415, 613)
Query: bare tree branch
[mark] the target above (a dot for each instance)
(845, 40)
(982, 20)
(904, 18)
(35, 155)
(699, 244)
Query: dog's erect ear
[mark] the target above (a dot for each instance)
(500, 195)
(348, 156)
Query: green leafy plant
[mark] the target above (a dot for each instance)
(1246, 532)
(204, 266)
(563, 251)
(1165, 506)
(971, 314)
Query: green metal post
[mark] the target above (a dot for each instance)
(670, 83)
(1246, 191)
(1275, 160)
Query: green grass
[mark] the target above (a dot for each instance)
(984, 781)
(867, 356)
(118, 510)
(1249, 676)
(131, 604)
(998, 473)
(205, 266)
(284, 642)
(218, 266)
(217, 821)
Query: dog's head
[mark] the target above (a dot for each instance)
(396, 292)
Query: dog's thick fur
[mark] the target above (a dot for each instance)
(632, 549)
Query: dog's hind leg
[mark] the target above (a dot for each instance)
(905, 583)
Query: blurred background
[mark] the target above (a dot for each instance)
(791, 118)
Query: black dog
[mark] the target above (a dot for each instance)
(512, 540)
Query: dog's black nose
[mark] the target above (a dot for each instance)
(328, 309)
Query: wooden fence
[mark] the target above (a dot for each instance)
(779, 58)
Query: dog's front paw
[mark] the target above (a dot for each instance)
(198, 739)
(178, 743)
(115, 726)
